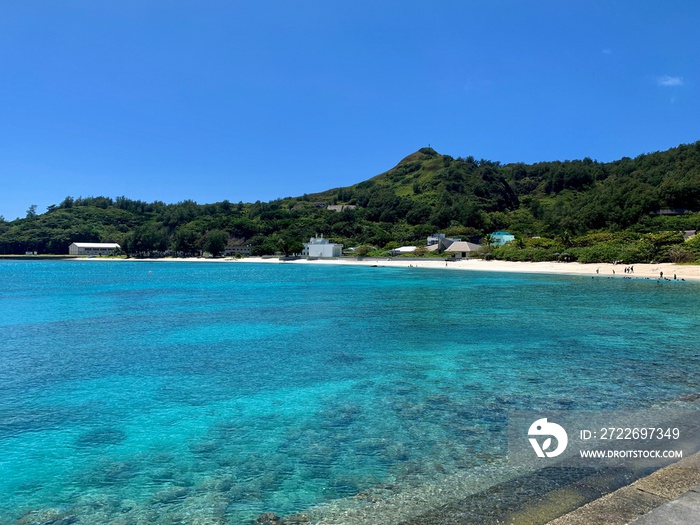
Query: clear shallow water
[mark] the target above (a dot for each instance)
(152, 392)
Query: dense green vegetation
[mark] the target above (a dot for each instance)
(587, 210)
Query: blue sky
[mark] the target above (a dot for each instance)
(251, 100)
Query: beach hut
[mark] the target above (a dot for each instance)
(461, 249)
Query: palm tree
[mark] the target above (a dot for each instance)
(565, 238)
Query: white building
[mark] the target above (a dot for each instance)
(435, 238)
(93, 248)
(404, 250)
(320, 247)
(237, 246)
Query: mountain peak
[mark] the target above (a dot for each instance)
(421, 154)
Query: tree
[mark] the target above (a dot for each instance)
(31, 212)
(149, 238)
(187, 240)
(679, 255)
(565, 238)
(295, 246)
(67, 202)
(215, 242)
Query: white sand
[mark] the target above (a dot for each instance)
(653, 271)
(687, 272)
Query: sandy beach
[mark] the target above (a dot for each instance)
(657, 271)
(651, 271)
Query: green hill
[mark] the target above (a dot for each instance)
(430, 189)
(569, 205)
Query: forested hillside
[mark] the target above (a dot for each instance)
(632, 209)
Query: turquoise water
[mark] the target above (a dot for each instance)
(156, 393)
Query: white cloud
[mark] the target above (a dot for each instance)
(669, 81)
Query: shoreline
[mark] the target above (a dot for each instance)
(682, 272)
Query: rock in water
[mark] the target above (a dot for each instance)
(269, 518)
